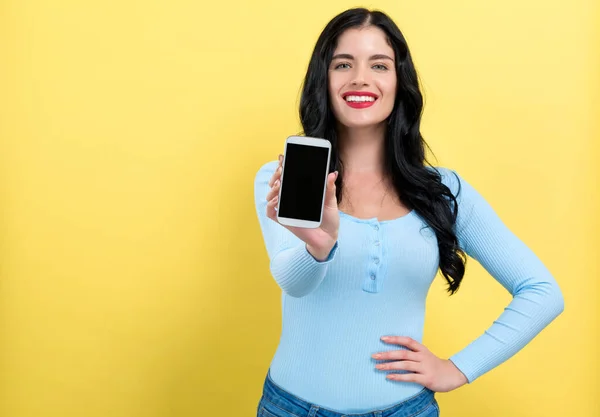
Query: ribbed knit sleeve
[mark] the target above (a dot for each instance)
(295, 270)
(537, 298)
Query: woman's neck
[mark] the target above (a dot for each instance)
(362, 150)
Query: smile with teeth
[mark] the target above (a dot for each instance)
(359, 99)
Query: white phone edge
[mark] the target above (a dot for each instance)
(308, 141)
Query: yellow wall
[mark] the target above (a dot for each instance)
(133, 280)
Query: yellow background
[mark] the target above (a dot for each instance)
(133, 277)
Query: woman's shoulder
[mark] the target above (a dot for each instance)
(265, 171)
(261, 179)
(449, 177)
(462, 189)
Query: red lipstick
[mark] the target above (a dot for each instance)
(359, 104)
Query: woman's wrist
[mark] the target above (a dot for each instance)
(320, 253)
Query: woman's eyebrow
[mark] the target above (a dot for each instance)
(372, 58)
(381, 56)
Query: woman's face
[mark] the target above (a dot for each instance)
(362, 78)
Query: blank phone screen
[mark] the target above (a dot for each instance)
(303, 182)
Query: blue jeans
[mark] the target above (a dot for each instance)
(276, 402)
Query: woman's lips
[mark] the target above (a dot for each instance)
(360, 104)
(359, 99)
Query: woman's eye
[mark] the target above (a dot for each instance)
(338, 66)
(345, 65)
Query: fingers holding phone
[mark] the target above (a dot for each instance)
(330, 197)
(302, 195)
(331, 220)
(273, 194)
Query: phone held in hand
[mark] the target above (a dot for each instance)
(303, 181)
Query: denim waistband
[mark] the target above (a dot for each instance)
(285, 400)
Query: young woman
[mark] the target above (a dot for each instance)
(391, 220)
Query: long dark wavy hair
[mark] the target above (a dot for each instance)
(419, 187)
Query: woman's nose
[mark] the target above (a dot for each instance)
(359, 78)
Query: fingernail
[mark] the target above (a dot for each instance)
(385, 338)
(280, 157)
(276, 183)
(377, 356)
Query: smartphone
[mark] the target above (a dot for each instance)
(303, 181)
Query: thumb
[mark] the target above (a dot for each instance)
(330, 197)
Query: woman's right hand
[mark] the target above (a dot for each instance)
(321, 240)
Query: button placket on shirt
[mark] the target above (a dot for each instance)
(371, 284)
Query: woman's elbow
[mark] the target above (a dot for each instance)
(292, 285)
(559, 301)
(555, 300)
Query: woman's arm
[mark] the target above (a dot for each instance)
(295, 270)
(537, 298)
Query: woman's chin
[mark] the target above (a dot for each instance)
(362, 124)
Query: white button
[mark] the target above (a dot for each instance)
(372, 276)
(376, 260)
(376, 227)
(376, 243)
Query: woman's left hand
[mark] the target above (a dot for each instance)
(439, 375)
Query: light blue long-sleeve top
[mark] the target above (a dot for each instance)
(375, 282)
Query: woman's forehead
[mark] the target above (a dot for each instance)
(369, 40)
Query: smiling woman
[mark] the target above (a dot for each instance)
(391, 221)
(362, 76)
